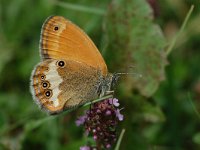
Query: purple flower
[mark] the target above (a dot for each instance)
(114, 101)
(119, 115)
(81, 120)
(108, 146)
(108, 112)
(95, 137)
(84, 148)
(101, 122)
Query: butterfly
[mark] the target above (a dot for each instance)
(72, 71)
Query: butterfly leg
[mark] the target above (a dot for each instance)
(110, 93)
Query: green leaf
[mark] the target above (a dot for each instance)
(135, 40)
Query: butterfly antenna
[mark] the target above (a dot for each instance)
(128, 73)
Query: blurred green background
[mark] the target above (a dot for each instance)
(158, 116)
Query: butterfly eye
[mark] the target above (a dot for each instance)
(45, 85)
(48, 93)
(42, 77)
(61, 63)
(56, 28)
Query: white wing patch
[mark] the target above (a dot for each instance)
(54, 79)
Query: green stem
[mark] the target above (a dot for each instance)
(171, 46)
(97, 100)
(120, 139)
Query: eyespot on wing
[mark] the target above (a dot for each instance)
(61, 39)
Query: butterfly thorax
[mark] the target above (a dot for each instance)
(107, 84)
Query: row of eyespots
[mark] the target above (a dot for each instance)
(45, 85)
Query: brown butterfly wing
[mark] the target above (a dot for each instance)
(56, 88)
(61, 39)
